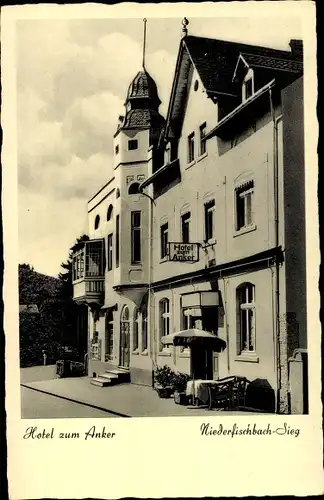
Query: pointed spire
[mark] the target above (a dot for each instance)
(185, 23)
(144, 42)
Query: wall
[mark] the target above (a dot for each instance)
(214, 176)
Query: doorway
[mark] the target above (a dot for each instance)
(124, 347)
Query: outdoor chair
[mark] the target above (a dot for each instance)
(228, 393)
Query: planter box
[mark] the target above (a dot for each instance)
(180, 398)
(164, 392)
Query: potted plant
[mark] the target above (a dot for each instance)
(163, 378)
(179, 388)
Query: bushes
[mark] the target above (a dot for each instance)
(165, 377)
(66, 368)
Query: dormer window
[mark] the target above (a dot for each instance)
(248, 86)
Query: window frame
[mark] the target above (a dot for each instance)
(202, 140)
(136, 232)
(209, 211)
(132, 144)
(164, 242)
(191, 147)
(185, 227)
(110, 252)
(244, 202)
(245, 306)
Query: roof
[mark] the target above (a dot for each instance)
(144, 87)
(215, 60)
(142, 118)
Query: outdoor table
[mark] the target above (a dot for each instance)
(200, 391)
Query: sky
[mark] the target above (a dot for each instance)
(72, 79)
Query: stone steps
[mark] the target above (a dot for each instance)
(111, 377)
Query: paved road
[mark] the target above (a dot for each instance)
(39, 405)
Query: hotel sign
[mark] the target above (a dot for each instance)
(183, 252)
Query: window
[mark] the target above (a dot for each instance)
(136, 328)
(116, 149)
(196, 85)
(78, 266)
(110, 251)
(144, 328)
(202, 132)
(124, 337)
(245, 300)
(248, 88)
(117, 193)
(185, 227)
(94, 258)
(109, 337)
(97, 221)
(136, 237)
(164, 320)
(117, 240)
(132, 144)
(191, 147)
(244, 201)
(110, 212)
(133, 188)
(209, 220)
(164, 240)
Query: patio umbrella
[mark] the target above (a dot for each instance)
(194, 337)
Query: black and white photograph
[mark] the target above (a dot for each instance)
(161, 219)
(161, 209)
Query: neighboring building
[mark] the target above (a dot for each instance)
(224, 176)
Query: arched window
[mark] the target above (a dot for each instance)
(245, 307)
(117, 193)
(97, 221)
(164, 314)
(136, 328)
(124, 338)
(110, 212)
(109, 337)
(144, 328)
(134, 188)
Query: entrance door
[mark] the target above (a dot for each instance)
(124, 349)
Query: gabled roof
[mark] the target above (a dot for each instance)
(215, 61)
(268, 62)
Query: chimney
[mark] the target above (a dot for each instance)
(296, 47)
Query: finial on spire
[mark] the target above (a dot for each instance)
(144, 42)
(185, 23)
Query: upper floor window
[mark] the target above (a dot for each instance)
(97, 222)
(164, 309)
(110, 212)
(244, 205)
(191, 147)
(164, 233)
(248, 85)
(117, 240)
(132, 144)
(245, 303)
(185, 227)
(116, 149)
(136, 237)
(209, 220)
(117, 193)
(134, 188)
(110, 252)
(202, 133)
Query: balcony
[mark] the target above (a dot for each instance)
(88, 272)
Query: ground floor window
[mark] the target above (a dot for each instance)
(109, 336)
(144, 328)
(136, 328)
(245, 303)
(124, 338)
(164, 317)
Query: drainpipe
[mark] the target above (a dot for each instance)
(275, 121)
(151, 309)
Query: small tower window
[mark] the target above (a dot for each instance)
(97, 222)
(110, 212)
(132, 144)
(134, 188)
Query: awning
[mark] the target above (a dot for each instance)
(194, 337)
